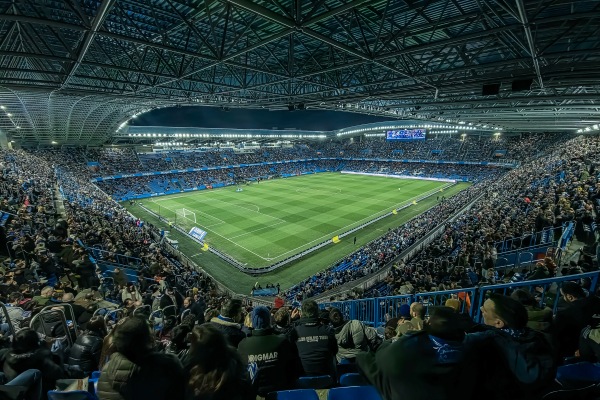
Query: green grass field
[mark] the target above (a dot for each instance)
(275, 219)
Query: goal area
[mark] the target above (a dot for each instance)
(187, 214)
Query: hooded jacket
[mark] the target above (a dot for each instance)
(40, 359)
(232, 330)
(419, 366)
(353, 337)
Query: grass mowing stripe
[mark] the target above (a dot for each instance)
(307, 266)
(312, 210)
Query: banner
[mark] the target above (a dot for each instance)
(197, 233)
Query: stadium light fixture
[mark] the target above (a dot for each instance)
(54, 142)
(595, 127)
(2, 107)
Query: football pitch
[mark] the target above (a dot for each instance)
(273, 220)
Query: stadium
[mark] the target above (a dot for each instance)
(285, 199)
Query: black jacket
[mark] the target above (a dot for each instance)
(515, 364)
(273, 360)
(420, 367)
(232, 331)
(317, 347)
(589, 344)
(85, 353)
(40, 359)
(569, 322)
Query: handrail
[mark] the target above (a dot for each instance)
(473, 296)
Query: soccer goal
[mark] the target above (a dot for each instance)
(187, 214)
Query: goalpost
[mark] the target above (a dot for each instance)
(187, 214)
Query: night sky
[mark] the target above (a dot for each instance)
(213, 117)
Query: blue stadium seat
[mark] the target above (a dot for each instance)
(590, 391)
(299, 394)
(353, 380)
(315, 382)
(354, 393)
(73, 395)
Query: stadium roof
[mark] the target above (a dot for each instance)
(74, 70)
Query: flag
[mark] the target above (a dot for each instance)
(335, 239)
(205, 247)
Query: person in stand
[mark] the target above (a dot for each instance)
(213, 368)
(316, 342)
(136, 370)
(229, 321)
(272, 359)
(85, 353)
(28, 352)
(431, 364)
(519, 362)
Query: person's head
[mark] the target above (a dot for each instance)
(417, 310)
(390, 328)
(261, 318)
(336, 317)
(15, 297)
(211, 357)
(68, 297)
(453, 304)
(47, 291)
(282, 317)
(232, 308)
(524, 297)
(571, 291)
(501, 311)
(25, 341)
(97, 325)
(444, 323)
(133, 338)
(187, 302)
(310, 309)
(179, 337)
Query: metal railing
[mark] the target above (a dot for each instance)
(376, 311)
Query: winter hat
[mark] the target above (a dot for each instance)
(261, 318)
(405, 311)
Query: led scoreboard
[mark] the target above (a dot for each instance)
(406, 134)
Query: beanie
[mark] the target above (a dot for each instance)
(405, 311)
(261, 318)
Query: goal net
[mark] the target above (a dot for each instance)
(187, 214)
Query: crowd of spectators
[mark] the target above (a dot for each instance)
(205, 345)
(545, 193)
(109, 161)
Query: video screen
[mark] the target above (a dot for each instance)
(406, 134)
